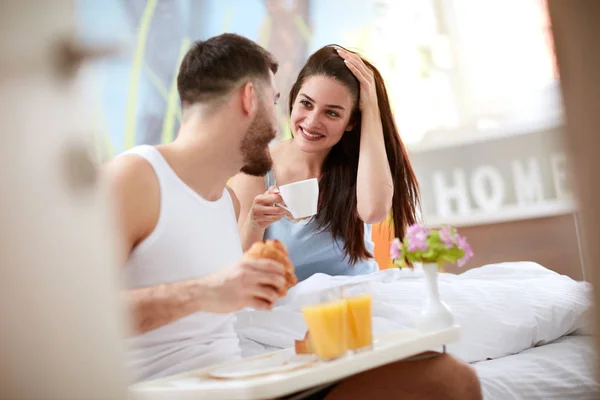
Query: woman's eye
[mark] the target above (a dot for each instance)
(305, 103)
(333, 114)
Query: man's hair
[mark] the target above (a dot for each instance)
(212, 68)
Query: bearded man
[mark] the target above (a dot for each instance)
(182, 255)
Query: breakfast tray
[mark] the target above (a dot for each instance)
(206, 384)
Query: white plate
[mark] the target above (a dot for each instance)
(279, 362)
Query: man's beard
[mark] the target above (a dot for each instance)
(255, 145)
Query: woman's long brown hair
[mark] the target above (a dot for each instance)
(337, 184)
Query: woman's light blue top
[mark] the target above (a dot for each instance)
(313, 250)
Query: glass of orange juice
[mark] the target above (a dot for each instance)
(359, 316)
(327, 323)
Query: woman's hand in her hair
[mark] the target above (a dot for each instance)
(368, 92)
(264, 209)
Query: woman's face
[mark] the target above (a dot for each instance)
(320, 114)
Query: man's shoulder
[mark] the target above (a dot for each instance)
(130, 171)
(133, 183)
(135, 192)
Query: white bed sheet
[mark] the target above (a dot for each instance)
(563, 369)
(502, 309)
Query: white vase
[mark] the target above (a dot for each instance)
(436, 315)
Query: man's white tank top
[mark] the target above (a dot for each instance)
(194, 237)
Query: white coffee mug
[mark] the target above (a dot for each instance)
(301, 198)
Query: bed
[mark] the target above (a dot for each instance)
(523, 326)
(566, 367)
(563, 369)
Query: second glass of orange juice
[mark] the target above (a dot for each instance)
(359, 319)
(327, 324)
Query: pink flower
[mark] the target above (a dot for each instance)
(396, 249)
(464, 245)
(448, 246)
(446, 236)
(417, 238)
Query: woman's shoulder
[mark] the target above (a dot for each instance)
(246, 186)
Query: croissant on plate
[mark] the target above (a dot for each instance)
(303, 346)
(274, 250)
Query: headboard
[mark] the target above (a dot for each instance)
(550, 241)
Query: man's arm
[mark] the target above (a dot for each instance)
(159, 305)
(248, 283)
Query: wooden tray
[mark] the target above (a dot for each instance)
(200, 384)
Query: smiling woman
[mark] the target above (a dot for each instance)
(343, 134)
(317, 125)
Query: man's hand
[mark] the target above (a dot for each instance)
(248, 283)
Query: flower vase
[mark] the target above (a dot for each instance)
(436, 315)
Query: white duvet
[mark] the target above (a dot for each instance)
(502, 309)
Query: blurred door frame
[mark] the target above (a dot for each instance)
(576, 32)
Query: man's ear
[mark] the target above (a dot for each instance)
(249, 99)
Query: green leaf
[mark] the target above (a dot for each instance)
(403, 263)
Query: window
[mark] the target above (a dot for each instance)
(465, 69)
